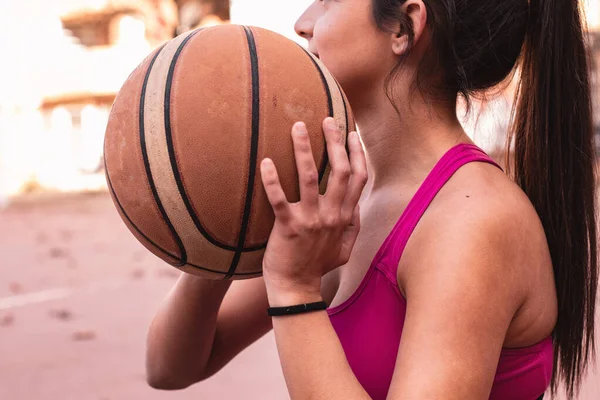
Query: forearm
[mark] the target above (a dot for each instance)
(312, 358)
(181, 336)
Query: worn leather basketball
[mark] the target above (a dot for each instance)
(187, 133)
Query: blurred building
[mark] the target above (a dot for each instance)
(68, 59)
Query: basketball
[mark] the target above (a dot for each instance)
(188, 130)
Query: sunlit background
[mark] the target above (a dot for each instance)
(63, 61)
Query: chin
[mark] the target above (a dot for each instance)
(350, 80)
(349, 85)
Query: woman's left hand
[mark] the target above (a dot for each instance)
(316, 234)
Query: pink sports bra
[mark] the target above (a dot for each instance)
(369, 324)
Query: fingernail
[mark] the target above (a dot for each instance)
(301, 128)
(331, 123)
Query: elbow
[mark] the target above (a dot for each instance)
(160, 381)
(167, 380)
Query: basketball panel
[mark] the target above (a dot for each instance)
(291, 90)
(124, 163)
(250, 262)
(211, 121)
(161, 157)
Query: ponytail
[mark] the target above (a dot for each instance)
(553, 163)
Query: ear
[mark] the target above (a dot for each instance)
(415, 13)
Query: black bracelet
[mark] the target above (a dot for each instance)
(298, 309)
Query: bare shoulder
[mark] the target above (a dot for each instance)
(480, 225)
(481, 202)
(480, 198)
(465, 273)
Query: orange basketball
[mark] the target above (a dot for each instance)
(187, 133)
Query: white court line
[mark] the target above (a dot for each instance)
(33, 298)
(45, 296)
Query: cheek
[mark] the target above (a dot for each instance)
(354, 50)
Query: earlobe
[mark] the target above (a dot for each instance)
(416, 12)
(400, 44)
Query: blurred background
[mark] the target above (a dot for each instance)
(77, 291)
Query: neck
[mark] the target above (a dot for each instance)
(403, 147)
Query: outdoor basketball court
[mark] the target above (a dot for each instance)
(77, 293)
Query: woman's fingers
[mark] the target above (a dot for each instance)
(349, 236)
(340, 167)
(358, 177)
(275, 193)
(308, 176)
(337, 208)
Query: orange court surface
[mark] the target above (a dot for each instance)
(77, 293)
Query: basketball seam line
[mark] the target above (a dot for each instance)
(345, 113)
(173, 158)
(138, 230)
(183, 261)
(323, 167)
(131, 222)
(142, 134)
(253, 151)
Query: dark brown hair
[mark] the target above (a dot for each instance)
(475, 45)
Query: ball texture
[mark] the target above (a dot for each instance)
(188, 130)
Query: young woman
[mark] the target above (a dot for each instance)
(461, 283)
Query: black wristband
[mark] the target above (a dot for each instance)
(297, 309)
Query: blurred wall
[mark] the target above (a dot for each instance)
(68, 59)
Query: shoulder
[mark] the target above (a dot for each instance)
(480, 199)
(481, 229)
(462, 272)
(480, 203)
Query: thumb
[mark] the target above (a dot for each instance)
(349, 236)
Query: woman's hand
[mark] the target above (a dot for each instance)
(316, 234)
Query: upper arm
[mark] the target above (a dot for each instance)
(461, 297)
